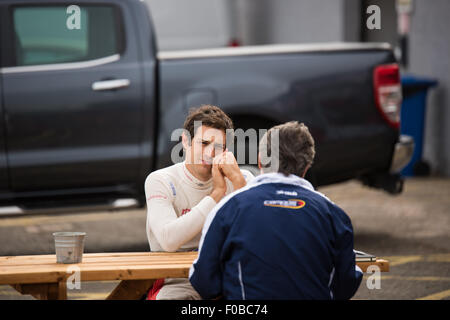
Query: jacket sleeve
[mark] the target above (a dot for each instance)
(170, 230)
(347, 275)
(205, 274)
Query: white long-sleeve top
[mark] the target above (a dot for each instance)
(177, 206)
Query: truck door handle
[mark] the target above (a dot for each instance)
(110, 84)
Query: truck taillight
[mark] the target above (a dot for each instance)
(388, 93)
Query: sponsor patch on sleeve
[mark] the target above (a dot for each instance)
(173, 189)
(156, 196)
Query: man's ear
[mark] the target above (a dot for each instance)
(259, 164)
(306, 170)
(186, 141)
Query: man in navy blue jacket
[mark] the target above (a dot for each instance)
(277, 238)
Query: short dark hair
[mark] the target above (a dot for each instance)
(208, 115)
(296, 148)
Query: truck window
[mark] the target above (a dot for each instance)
(53, 34)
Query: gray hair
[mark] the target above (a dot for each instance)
(287, 148)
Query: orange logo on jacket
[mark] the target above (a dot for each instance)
(290, 204)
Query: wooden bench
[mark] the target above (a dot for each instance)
(43, 278)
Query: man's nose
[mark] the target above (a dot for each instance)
(209, 151)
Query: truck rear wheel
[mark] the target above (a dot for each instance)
(392, 183)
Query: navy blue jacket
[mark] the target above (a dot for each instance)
(276, 238)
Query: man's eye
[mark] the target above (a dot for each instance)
(205, 143)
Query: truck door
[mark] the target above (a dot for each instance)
(72, 95)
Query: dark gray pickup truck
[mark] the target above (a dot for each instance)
(88, 104)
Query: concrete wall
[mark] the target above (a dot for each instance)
(388, 31)
(304, 21)
(430, 56)
(297, 21)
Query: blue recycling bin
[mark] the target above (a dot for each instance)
(414, 90)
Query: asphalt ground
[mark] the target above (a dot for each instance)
(411, 230)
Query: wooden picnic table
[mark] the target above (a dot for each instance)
(43, 278)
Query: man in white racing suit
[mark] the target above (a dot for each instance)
(180, 197)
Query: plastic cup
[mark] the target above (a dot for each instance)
(69, 246)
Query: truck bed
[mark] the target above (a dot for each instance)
(327, 86)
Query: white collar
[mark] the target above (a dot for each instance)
(193, 181)
(276, 177)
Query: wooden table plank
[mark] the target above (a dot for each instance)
(382, 264)
(99, 274)
(104, 255)
(108, 266)
(44, 291)
(90, 258)
(130, 290)
(100, 263)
